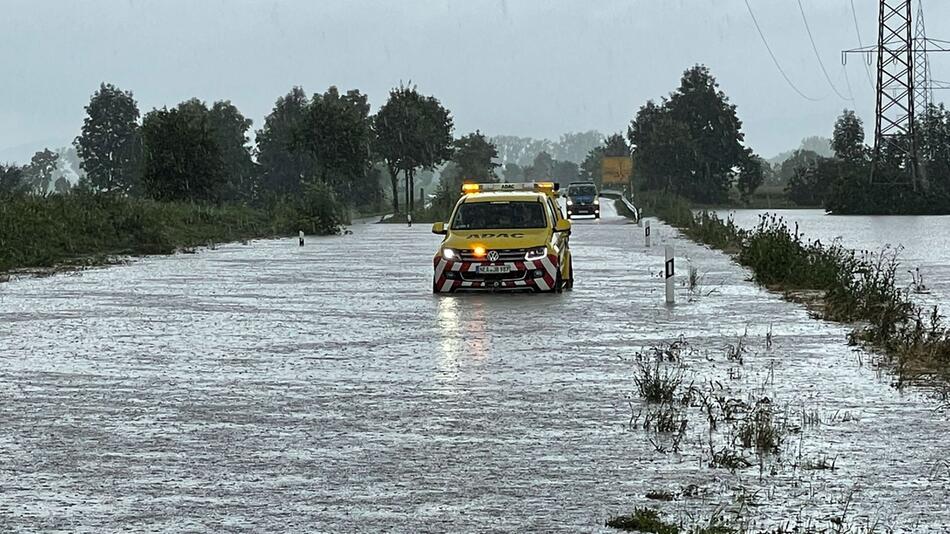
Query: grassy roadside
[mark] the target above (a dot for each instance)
(839, 284)
(84, 229)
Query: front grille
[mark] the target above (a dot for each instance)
(509, 255)
(477, 277)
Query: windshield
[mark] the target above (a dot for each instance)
(582, 191)
(494, 215)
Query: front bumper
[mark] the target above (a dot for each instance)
(584, 209)
(455, 275)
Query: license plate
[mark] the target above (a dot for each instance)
(494, 269)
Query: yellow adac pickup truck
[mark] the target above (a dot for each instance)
(504, 237)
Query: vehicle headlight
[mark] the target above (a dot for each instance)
(596, 201)
(449, 254)
(570, 203)
(536, 254)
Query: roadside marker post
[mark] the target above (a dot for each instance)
(646, 233)
(669, 272)
(409, 219)
(300, 234)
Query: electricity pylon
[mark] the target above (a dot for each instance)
(904, 85)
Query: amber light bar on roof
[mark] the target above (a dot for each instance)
(541, 187)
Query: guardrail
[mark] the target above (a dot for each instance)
(619, 195)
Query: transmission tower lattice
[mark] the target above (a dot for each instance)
(923, 90)
(894, 126)
(904, 86)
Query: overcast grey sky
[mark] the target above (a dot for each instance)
(522, 67)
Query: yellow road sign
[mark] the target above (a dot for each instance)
(617, 170)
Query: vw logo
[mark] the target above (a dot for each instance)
(492, 255)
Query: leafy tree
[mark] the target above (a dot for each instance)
(751, 174)
(473, 162)
(474, 155)
(799, 159)
(339, 133)
(317, 209)
(541, 169)
(368, 190)
(229, 130)
(934, 129)
(40, 171)
(658, 142)
(691, 142)
(520, 150)
(12, 180)
(616, 146)
(848, 140)
(284, 160)
(565, 172)
(108, 144)
(592, 168)
(412, 132)
(182, 159)
(513, 172)
(850, 192)
(714, 134)
(574, 147)
(819, 145)
(812, 181)
(62, 186)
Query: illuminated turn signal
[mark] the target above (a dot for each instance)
(470, 188)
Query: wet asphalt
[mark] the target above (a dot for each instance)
(269, 387)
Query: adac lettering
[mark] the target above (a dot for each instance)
(515, 235)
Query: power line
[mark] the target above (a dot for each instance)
(774, 59)
(857, 29)
(818, 55)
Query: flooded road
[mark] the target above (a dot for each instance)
(267, 387)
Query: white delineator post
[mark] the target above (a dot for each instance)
(301, 238)
(646, 233)
(409, 218)
(669, 272)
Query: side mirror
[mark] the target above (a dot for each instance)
(439, 228)
(562, 225)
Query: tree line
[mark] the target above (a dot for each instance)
(37, 177)
(843, 183)
(691, 144)
(324, 146)
(572, 147)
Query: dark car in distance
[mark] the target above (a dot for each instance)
(582, 199)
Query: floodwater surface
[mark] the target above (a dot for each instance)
(269, 387)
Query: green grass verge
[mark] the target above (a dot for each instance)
(42, 232)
